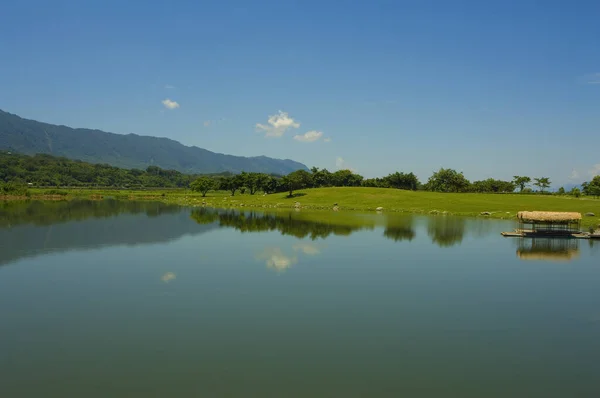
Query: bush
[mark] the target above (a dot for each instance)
(56, 192)
(14, 189)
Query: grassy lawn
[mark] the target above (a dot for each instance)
(366, 199)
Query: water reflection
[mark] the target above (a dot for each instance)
(547, 249)
(400, 229)
(446, 231)
(32, 228)
(594, 246)
(260, 314)
(276, 259)
(301, 225)
(13, 213)
(168, 276)
(307, 248)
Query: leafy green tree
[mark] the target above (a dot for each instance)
(253, 181)
(246, 182)
(203, 185)
(561, 191)
(231, 184)
(447, 180)
(261, 182)
(297, 180)
(271, 185)
(521, 182)
(402, 181)
(542, 182)
(492, 186)
(576, 192)
(346, 178)
(321, 178)
(592, 188)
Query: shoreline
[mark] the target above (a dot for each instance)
(488, 206)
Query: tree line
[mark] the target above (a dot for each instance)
(18, 171)
(52, 171)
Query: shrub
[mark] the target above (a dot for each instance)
(13, 188)
(56, 192)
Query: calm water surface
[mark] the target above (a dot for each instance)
(111, 299)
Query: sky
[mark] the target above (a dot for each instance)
(489, 88)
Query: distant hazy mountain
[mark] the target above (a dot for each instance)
(128, 151)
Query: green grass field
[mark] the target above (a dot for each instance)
(503, 206)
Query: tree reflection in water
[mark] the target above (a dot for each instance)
(446, 231)
(300, 225)
(14, 213)
(400, 229)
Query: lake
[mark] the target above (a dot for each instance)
(124, 299)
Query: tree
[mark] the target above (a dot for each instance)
(561, 191)
(270, 185)
(542, 183)
(402, 181)
(447, 180)
(231, 184)
(262, 180)
(492, 185)
(297, 180)
(592, 188)
(346, 178)
(203, 185)
(521, 182)
(321, 178)
(248, 180)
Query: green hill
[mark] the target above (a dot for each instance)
(127, 151)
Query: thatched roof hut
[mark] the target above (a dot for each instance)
(549, 222)
(540, 217)
(548, 216)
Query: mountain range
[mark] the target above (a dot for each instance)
(127, 150)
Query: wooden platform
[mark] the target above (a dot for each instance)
(531, 234)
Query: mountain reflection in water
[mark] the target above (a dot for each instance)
(30, 228)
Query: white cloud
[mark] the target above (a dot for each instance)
(277, 125)
(574, 175)
(169, 276)
(274, 258)
(593, 78)
(170, 104)
(595, 170)
(327, 139)
(306, 248)
(169, 87)
(310, 136)
(341, 164)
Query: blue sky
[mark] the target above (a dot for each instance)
(489, 88)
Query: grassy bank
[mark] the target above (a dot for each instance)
(501, 206)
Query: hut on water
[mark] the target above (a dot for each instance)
(549, 223)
